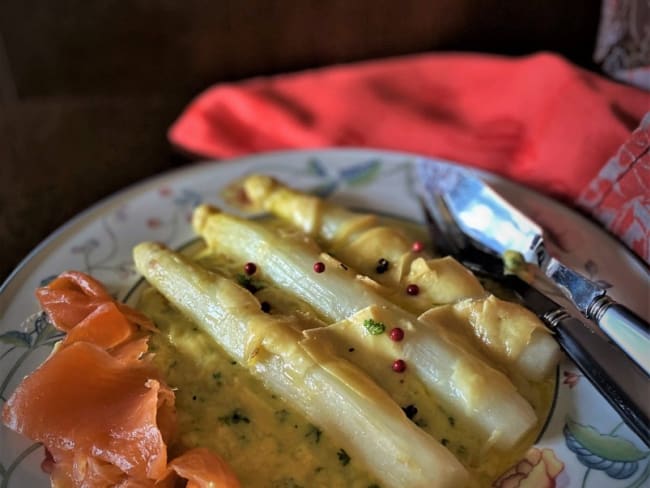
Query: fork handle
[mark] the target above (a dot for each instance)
(623, 384)
(624, 327)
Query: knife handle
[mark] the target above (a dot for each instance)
(629, 331)
(623, 384)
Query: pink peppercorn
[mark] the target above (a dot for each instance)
(417, 246)
(396, 334)
(250, 268)
(399, 366)
(319, 267)
(413, 289)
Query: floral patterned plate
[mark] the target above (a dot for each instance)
(584, 443)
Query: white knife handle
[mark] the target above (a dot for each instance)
(629, 331)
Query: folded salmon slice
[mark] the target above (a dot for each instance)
(73, 295)
(204, 469)
(83, 400)
(103, 412)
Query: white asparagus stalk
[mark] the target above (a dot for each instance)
(330, 392)
(360, 240)
(434, 355)
(509, 333)
(463, 383)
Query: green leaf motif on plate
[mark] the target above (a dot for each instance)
(316, 168)
(607, 446)
(361, 174)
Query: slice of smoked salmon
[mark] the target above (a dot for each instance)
(106, 327)
(70, 297)
(73, 295)
(204, 469)
(98, 404)
(84, 400)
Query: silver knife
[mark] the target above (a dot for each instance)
(490, 220)
(625, 386)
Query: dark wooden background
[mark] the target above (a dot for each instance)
(88, 88)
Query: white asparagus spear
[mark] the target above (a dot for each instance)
(360, 240)
(330, 392)
(336, 293)
(485, 396)
(509, 333)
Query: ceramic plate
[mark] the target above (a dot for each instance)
(584, 443)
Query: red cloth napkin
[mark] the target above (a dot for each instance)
(538, 119)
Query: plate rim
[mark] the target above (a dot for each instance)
(173, 173)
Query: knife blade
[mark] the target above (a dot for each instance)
(496, 225)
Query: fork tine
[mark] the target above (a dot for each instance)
(438, 226)
(448, 238)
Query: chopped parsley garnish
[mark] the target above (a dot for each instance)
(314, 434)
(343, 456)
(421, 423)
(374, 327)
(237, 416)
(248, 283)
(281, 415)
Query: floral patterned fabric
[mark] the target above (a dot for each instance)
(623, 47)
(620, 195)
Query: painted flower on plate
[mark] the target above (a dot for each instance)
(538, 469)
(571, 379)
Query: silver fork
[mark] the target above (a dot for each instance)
(623, 384)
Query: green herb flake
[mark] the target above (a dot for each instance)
(247, 282)
(374, 327)
(343, 456)
(420, 422)
(237, 416)
(452, 420)
(314, 434)
(281, 415)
